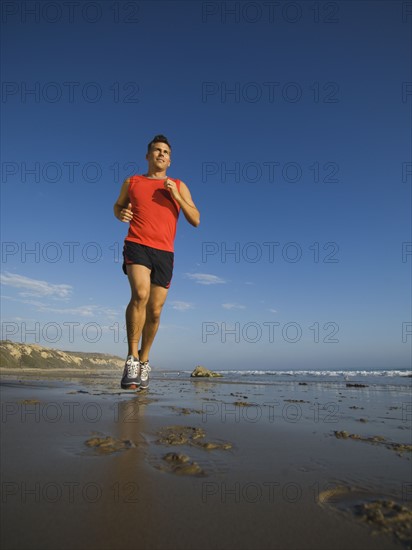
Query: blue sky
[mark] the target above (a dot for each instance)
(291, 125)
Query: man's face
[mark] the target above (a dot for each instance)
(159, 156)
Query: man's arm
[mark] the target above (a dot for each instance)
(122, 208)
(184, 199)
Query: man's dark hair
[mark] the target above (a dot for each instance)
(158, 139)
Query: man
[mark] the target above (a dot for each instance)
(151, 204)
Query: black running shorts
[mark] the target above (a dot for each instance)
(160, 262)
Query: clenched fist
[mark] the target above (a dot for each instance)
(126, 214)
(171, 186)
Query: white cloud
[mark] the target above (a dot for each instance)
(35, 287)
(273, 310)
(233, 306)
(83, 311)
(181, 306)
(205, 278)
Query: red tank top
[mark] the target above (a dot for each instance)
(155, 213)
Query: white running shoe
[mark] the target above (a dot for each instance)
(131, 374)
(145, 368)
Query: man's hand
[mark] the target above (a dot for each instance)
(171, 186)
(126, 214)
(184, 200)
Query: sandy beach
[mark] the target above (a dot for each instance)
(203, 463)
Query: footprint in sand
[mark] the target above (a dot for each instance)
(186, 435)
(382, 513)
(376, 440)
(180, 463)
(107, 445)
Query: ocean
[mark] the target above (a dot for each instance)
(399, 377)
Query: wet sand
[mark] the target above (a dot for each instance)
(204, 464)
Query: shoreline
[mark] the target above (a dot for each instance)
(203, 464)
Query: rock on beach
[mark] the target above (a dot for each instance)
(200, 371)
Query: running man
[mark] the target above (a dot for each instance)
(151, 204)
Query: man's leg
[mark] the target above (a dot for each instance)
(139, 279)
(156, 301)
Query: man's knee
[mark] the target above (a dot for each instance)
(154, 313)
(140, 297)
